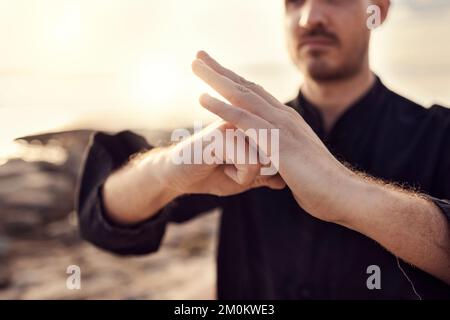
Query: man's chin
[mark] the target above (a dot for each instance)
(321, 71)
(324, 76)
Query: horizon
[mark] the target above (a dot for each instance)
(67, 64)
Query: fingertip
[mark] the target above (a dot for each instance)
(277, 183)
(205, 99)
(231, 173)
(196, 64)
(202, 54)
(193, 65)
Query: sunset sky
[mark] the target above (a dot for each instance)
(113, 64)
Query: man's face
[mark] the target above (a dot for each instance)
(327, 39)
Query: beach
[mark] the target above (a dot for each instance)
(96, 74)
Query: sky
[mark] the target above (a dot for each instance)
(115, 64)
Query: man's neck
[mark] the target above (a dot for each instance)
(334, 98)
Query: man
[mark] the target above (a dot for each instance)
(342, 205)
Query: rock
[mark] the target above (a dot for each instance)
(15, 167)
(5, 272)
(20, 222)
(39, 238)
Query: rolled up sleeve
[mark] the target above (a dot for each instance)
(444, 205)
(105, 154)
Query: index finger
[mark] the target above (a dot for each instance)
(205, 57)
(236, 94)
(238, 117)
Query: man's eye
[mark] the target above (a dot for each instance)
(338, 2)
(294, 2)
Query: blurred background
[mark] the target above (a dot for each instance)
(68, 67)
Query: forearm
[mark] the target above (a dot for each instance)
(407, 224)
(136, 192)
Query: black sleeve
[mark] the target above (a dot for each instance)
(441, 196)
(105, 154)
(444, 205)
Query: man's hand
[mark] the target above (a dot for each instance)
(150, 181)
(315, 177)
(227, 176)
(407, 224)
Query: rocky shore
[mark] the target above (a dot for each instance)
(39, 237)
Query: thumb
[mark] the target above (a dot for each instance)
(274, 182)
(242, 174)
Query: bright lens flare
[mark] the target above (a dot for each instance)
(154, 84)
(63, 27)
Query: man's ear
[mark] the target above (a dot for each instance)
(378, 11)
(384, 6)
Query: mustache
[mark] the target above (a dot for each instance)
(319, 32)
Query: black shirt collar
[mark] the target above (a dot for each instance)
(353, 115)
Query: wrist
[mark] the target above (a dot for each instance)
(356, 198)
(138, 190)
(343, 193)
(157, 167)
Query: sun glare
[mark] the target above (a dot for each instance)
(153, 83)
(63, 27)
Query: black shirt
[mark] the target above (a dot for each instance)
(269, 247)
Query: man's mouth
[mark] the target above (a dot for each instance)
(316, 43)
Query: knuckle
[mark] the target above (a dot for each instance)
(239, 97)
(235, 115)
(290, 110)
(286, 127)
(251, 85)
(242, 88)
(242, 80)
(289, 115)
(241, 114)
(255, 86)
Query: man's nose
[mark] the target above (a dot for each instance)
(312, 14)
